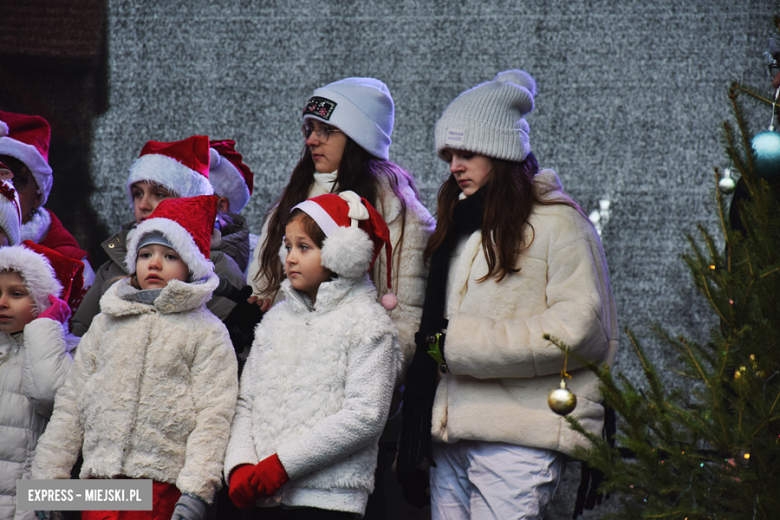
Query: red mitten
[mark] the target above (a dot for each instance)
(242, 492)
(269, 476)
(59, 310)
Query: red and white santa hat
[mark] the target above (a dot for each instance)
(228, 174)
(355, 232)
(186, 224)
(180, 166)
(27, 138)
(10, 208)
(43, 271)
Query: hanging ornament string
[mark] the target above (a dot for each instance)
(774, 105)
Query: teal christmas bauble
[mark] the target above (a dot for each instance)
(766, 152)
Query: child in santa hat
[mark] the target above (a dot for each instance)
(168, 170)
(24, 148)
(35, 355)
(317, 386)
(233, 183)
(172, 424)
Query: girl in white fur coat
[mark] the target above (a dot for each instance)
(154, 383)
(35, 356)
(318, 382)
(512, 258)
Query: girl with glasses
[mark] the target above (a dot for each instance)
(347, 127)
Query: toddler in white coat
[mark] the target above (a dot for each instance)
(317, 385)
(153, 386)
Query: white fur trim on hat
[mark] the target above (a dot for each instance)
(228, 181)
(181, 241)
(347, 252)
(170, 173)
(36, 272)
(32, 158)
(364, 111)
(489, 118)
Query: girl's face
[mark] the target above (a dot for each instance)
(16, 305)
(303, 266)
(471, 170)
(146, 197)
(157, 265)
(326, 144)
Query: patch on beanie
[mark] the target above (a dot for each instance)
(320, 107)
(455, 136)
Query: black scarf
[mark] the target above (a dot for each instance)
(421, 379)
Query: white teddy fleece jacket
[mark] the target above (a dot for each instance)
(316, 390)
(501, 369)
(409, 273)
(151, 393)
(33, 365)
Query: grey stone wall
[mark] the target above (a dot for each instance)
(630, 98)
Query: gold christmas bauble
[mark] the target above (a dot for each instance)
(561, 400)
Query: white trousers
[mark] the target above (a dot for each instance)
(492, 480)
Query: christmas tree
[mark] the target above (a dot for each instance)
(710, 448)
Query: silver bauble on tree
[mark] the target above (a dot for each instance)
(726, 184)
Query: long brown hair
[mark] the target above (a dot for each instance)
(358, 171)
(510, 199)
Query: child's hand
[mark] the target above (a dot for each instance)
(189, 507)
(269, 476)
(242, 492)
(59, 310)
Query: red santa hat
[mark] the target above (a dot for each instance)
(180, 166)
(10, 209)
(43, 271)
(355, 234)
(228, 174)
(27, 138)
(186, 224)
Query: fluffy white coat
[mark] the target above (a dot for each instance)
(500, 367)
(33, 366)
(151, 394)
(316, 390)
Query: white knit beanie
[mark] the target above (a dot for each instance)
(362, 108)
(488, 119)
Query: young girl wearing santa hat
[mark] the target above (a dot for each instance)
(35, 351)
(172, 424)
(347, 126)
(317, 385)
(513, 258)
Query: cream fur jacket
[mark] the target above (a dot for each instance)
(151, 394)
(409, 273)
(316, 390)
(33, 366)
(500, 367)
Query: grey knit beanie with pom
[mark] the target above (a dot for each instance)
(488, 119)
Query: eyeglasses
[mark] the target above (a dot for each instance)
(323, 132)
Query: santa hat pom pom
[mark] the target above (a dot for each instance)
(389, 301)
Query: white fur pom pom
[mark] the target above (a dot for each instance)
(389, 301)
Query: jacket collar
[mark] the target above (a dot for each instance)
(329, 296)
(116, 246)
(176, 297)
